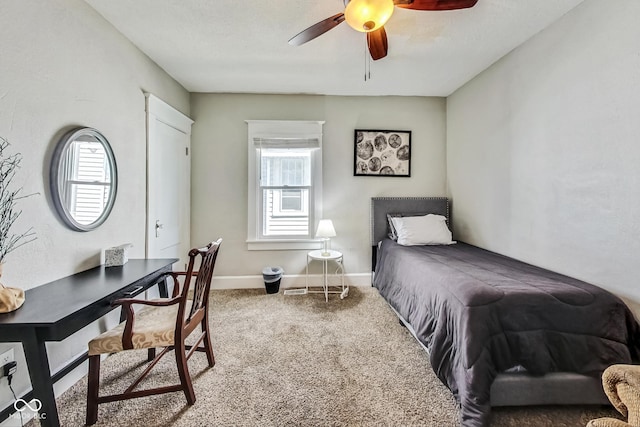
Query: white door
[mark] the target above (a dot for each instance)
(168, 181)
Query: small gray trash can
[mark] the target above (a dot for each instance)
(272, 277)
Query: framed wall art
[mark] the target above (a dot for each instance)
(382, 153)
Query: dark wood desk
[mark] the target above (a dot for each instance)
(55, 310)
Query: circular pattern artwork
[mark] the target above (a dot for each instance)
(364, 150)
(382, 152)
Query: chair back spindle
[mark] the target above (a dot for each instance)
(203, 277)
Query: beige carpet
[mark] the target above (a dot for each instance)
(296, 360)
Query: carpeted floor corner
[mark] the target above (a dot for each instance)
(298, 361)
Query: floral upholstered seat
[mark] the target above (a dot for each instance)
(153, 327)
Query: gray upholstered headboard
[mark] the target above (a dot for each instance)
(381, 206)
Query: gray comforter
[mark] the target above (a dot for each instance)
(480, 313)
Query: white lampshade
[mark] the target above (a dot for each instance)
(325, 229)
(368, 15)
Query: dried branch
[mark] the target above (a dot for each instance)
(8, 199)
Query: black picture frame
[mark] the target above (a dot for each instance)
(382, 153)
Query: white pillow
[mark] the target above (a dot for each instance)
(422, 230)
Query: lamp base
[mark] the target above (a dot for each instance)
(325, 247)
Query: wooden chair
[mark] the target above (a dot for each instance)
(165, 322)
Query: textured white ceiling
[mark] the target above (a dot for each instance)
(241, 45)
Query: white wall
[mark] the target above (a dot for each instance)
(219, 169)
(543, 149)
(63, 65)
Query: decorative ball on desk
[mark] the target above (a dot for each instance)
(11, 299)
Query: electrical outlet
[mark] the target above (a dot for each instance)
(5, 358)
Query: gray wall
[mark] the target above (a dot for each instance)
(543, 152)
(219, 169)
(63, 65)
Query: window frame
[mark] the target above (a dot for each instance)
(281, 131)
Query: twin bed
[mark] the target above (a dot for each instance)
(499, 332)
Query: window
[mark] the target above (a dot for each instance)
(286, 184)
(285, 178)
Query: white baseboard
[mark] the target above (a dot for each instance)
(288, 281)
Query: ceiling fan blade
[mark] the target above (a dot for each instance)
(435, 4)
(377, 42)
(316, 30)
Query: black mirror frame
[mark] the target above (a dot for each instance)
(54, 171)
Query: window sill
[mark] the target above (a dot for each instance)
(283, 245)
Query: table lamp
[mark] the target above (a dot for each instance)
(325, 231)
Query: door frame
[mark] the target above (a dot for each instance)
(158, 110)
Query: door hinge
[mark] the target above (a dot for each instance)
(186, 151)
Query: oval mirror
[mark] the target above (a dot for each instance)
(83, 178)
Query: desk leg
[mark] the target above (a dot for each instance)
(325, 273)
(306, 275)
(163, 289)
(35, 353)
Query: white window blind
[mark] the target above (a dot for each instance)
(285, 178)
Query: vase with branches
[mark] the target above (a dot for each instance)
(10, 298)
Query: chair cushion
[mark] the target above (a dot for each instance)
(152, 327)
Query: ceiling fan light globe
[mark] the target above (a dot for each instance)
(368, 15)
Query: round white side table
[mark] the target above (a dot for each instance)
(335, 257)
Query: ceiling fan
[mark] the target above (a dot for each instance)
(369, 16)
